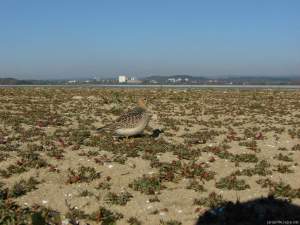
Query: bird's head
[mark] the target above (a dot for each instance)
(142, 102)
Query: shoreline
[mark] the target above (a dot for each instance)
(161, 86)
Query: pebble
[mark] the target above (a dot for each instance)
(77, 97)
(65, 222)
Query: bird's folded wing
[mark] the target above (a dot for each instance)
(131, 117)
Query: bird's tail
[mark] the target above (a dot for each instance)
(101, 129)
(108, 127)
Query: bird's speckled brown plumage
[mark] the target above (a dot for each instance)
(130, 123)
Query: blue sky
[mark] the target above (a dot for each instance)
(63, 39)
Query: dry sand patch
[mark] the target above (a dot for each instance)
(239, 144)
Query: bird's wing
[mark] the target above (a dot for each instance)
(127, 119)
(131, 117)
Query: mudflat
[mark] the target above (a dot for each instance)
(216, 146)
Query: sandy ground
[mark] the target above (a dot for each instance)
(208, 135)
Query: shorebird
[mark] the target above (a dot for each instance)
(130, 123)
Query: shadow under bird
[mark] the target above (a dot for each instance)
(130, 123)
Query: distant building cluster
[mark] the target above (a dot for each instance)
(72, 81)
(178, 80)
(165, 80)
(128, 80)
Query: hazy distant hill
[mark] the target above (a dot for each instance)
(163, 79)
(174, 79)
(12, 81)
(262, 80)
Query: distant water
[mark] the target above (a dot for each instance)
(166, 86)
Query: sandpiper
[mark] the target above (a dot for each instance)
(130, 123)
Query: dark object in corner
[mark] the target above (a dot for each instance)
(254, 212)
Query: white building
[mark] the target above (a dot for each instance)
(122, 79)
(172, 80)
